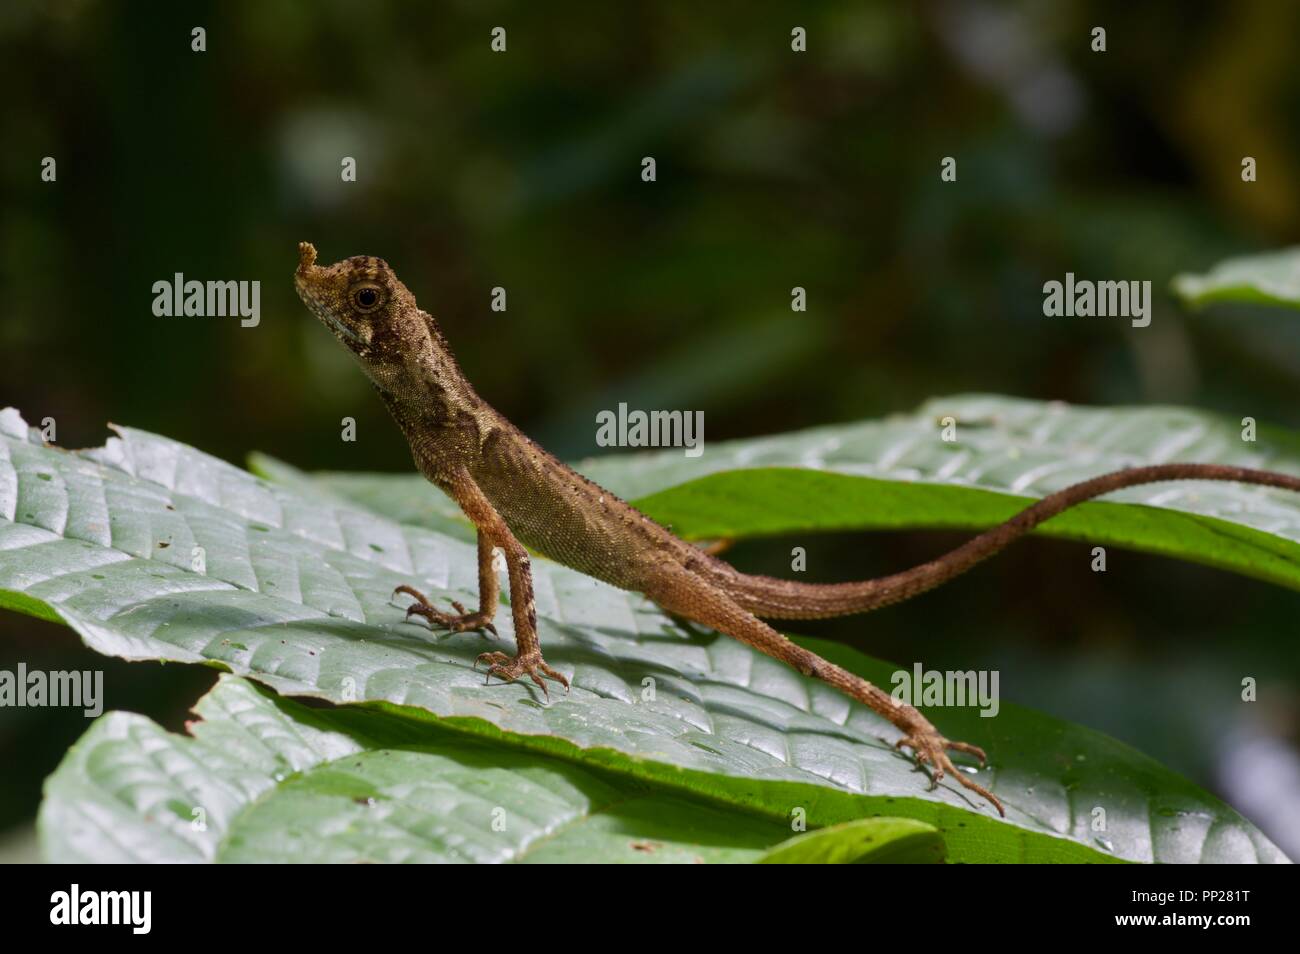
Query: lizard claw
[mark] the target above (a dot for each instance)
(437, 618)
(931, 748)
(511, 668)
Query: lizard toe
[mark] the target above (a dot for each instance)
(930, 748)
(459, 622)
(509, 669)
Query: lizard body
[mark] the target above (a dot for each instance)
(517, 495)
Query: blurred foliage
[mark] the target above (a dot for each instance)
(775, 169)
(1271, 278)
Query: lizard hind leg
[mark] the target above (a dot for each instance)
(697, 599)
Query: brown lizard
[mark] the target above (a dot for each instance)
(517, 495)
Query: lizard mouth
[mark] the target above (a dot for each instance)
(342, 330)
(330, 321)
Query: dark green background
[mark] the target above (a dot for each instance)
(775, 169)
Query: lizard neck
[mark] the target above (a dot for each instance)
(418, 376)
(438, 410)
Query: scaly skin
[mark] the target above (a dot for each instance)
(518, 495)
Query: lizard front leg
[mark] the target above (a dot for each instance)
(682, 592)
(493, 531)
(488, 592)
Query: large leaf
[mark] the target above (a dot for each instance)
(874, 840)
(1268, 278)
(899, 473)
(265, 779)
(296, 594)
(414, 502)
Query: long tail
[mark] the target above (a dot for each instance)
(770, 598)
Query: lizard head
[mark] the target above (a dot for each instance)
(359, 299)
(371, 312)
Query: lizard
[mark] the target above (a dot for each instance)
(520, 497)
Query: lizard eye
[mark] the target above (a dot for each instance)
(367, 297)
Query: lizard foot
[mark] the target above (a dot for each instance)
(931, 747)
(510, 668)
(451, 621)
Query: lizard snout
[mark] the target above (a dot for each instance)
(306, 256)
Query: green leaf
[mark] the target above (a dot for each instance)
(869, 841)
(419, 506)
(267, 780)
(1268, 278)
(296, 595)
(898, 473)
